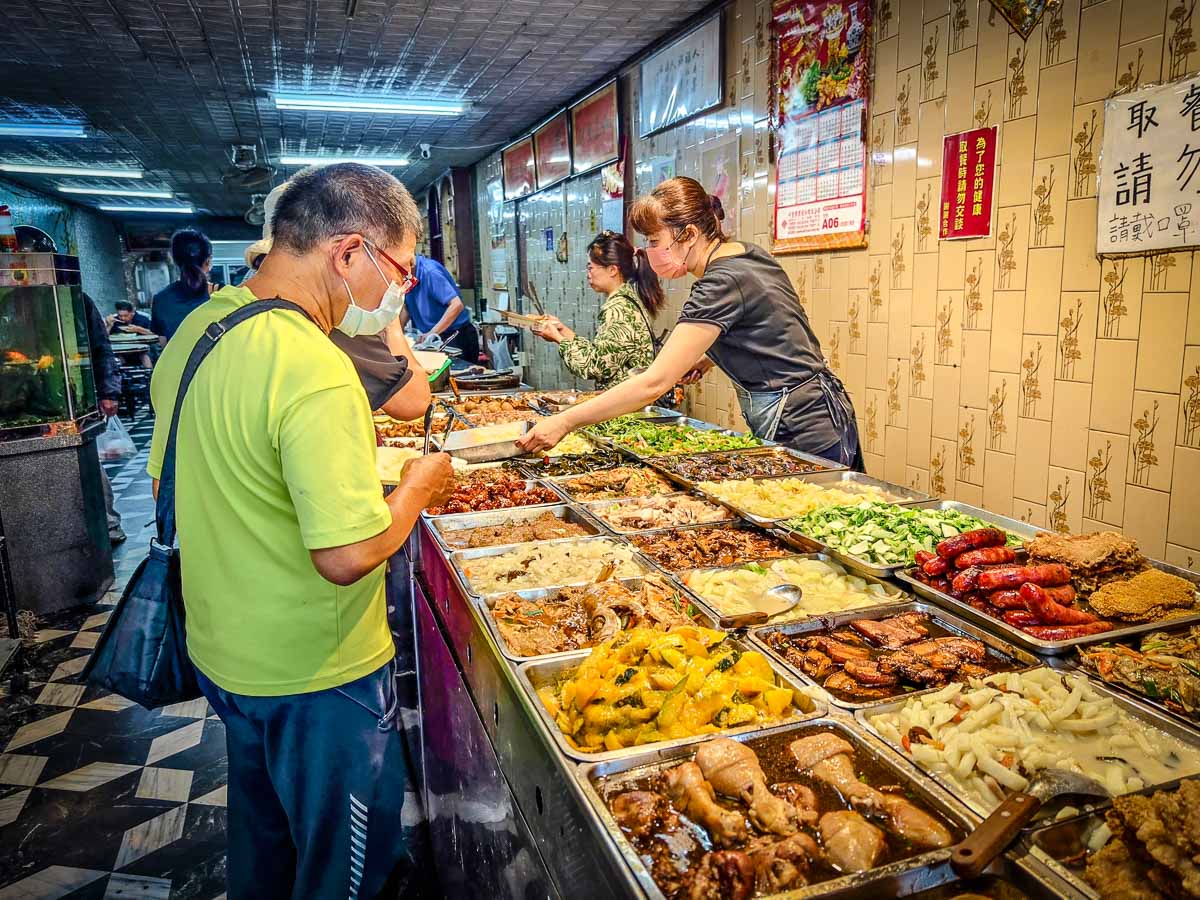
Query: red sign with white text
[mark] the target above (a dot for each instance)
(968, 182)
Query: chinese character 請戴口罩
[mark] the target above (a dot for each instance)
(1139, 191)
(1183, 224)
(1141, 118)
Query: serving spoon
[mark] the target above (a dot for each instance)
(775, 602)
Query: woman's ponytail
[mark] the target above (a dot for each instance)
(613, 249)
(646, 283)
(191, 251)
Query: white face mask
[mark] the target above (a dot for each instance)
(358, 321)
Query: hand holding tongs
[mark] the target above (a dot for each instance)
(428, 423)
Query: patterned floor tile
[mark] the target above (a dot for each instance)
(38, 730)
(61, 695)
(219, 797)
(89, 777)
(51, 883)
(17, 768)
(175, 742)
(189, 709)
(109, 703)
(165, 784)
(122, 886)
(70, 667)
(96, 620)
(49, 634)
(86, 639)
(11, 806)
(144, 839)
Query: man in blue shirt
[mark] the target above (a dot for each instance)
(435, 307)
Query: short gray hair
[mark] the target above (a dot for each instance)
(343, 198)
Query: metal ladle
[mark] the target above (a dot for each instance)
(775, 602)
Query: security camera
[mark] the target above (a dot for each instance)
(426, 151)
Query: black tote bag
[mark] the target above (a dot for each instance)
(142, 654)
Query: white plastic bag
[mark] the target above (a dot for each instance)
(115, 442)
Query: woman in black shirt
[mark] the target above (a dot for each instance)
(192, 253)
(742, 315)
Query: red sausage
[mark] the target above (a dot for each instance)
(1067, 632)
(1022, 618)
(988, 556)
(923, 556)
(1006, 599)
(1063, 593)
(1051, 612)
(1045, 575)
(936, 566)
(967, 579)
(940, 584)
(971, 540)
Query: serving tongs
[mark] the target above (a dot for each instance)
(775, 602)
(980, 848)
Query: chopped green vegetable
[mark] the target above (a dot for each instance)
(649, 439)
(885, 534)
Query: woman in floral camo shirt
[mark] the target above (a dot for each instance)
(624, 340)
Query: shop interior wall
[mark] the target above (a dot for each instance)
(78, 232)
(1017, 372)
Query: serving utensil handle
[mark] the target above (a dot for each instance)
(980, 848)
(428, 423)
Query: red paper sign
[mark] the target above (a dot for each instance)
(594, 129)
(968, 178)
(517, 163)
(552, 151)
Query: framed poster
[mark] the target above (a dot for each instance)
(1149, 174)
(968, 182)
(681, 80)
(552, 151)
(518, 165)
(595, 130)
(823, 75)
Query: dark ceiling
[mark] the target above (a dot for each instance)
(171, 85)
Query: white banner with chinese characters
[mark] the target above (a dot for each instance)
(1149, 186)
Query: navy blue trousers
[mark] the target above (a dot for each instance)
(316, 788)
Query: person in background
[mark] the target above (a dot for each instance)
(192, 254)
(284, 537)
(743, 315)
(624, 341)
(106, 369)
(435, 307)
(382, 358)
(127, 320)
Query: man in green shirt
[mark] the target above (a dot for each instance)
(283, 537)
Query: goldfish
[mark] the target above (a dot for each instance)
(15, 356)
(45, 362)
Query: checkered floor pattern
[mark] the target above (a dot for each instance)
(100, 798)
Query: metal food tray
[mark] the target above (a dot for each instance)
(730, 524)
(803, 541)
(920, 871)
(1168, 627)
(900, 595)
(663, 463)
(596, 509)
(1134, 708)
(533, 675)
(1051, 648)
(457, 558)
(703, 616)
(527, 482)
(559, 482)
(821, 479)
(996, 646)
(442, 525)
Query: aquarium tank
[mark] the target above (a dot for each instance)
(46, 381)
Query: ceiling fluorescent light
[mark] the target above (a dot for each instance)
(116, 192)
(69, 170)
(183, 210)
(43, 130)
(381, 161)
(395, 106)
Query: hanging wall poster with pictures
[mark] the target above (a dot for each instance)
(681, 80)
(517, 162)
(823, 57)
(595, 133)
(1149, 178)
(552, 150)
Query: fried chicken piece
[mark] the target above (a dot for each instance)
(1084, 551)
(783, 864)
(802, 798)
(1145, 597)
(852, 844)
(693, 796)
(1114, 873)
(1163, 831)
(733, 770)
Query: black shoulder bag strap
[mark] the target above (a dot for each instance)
(165, 505)
(656, 340)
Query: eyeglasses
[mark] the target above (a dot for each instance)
(408, 280)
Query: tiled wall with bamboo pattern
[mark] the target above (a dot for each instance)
(1016, 372)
